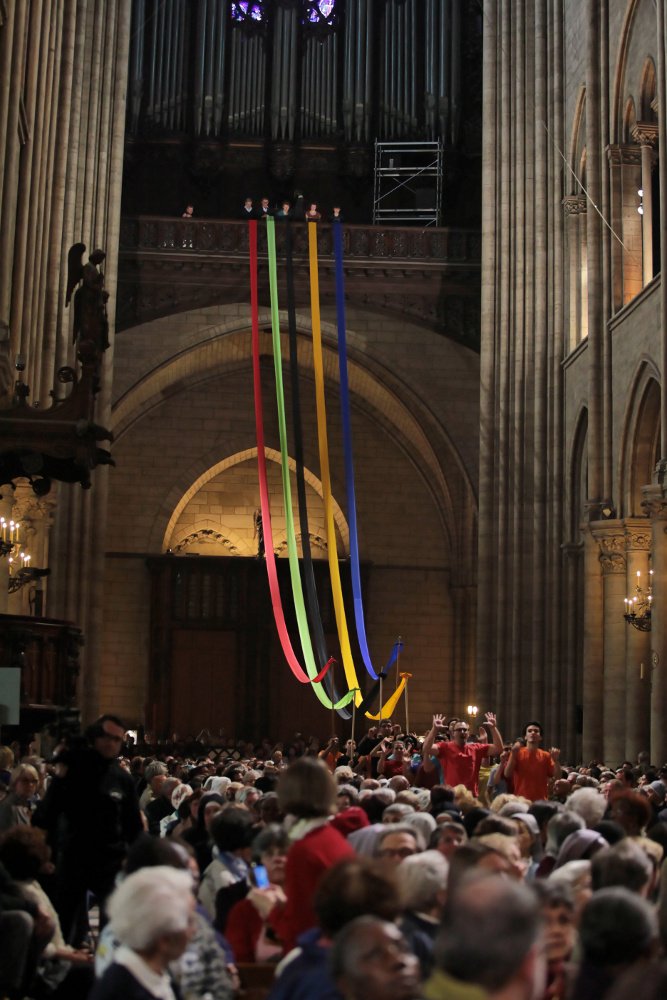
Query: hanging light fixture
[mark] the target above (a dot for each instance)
(638, 607)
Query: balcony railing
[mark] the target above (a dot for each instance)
(360, 243)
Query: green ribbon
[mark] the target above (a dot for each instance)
(295, 576)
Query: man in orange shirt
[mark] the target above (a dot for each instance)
(530, 768)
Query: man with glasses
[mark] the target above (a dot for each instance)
(398, 842)
(91, 815)
(459, 759)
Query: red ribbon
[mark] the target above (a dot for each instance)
(271, 571)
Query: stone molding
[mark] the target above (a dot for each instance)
(645, 133)
(574, 204)
(624, 155)
(638, 534)
(655, 501)
(611, 543)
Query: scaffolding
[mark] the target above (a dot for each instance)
(408, 183)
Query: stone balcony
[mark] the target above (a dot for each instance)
(431, 275)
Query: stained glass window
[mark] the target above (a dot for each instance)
(246, 11)
(321, 13)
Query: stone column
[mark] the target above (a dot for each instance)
(574, 207)
(611, 540)
(593, 663)
(646, 135)
(638, 644)
(655, 504)
(572, 650)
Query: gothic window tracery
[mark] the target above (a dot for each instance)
(244, 11)
(321, 14)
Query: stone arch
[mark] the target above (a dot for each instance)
(620, 75)
(647, 92)
(640, 447)
(629, 119)
(167, 539)
(205, 352)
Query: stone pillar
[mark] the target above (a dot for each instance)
(573, 643)
(637, 643)
(611, 540)
(655, 504)
(646, 135)
(575, 207)
(593, 664)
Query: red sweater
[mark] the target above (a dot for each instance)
(307, 861)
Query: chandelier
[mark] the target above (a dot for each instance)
(10, 538)
(638, 607)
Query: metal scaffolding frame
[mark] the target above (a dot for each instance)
(408, 182)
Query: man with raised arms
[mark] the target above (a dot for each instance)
(459, 759)
(530, 768)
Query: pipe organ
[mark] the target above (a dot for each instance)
(293, 70)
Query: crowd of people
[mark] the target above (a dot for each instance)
(450, 865)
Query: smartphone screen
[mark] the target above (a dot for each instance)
(260, 876)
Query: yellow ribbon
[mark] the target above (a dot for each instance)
(323, 444)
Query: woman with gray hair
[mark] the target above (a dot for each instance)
(151, 914)
(16, 807)
(422, 879)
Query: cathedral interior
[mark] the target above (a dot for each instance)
(501, 172)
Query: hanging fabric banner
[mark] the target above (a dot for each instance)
(390, 704)
(272, 574)
(293, 558)
(325, 475)
(312, 602)
(348, 458)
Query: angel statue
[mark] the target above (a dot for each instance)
(90, 300)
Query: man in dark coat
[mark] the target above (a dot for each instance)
(91, 815)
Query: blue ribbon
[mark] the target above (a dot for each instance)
(349, 464)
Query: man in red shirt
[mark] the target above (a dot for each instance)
(530, 768)
(459, 759)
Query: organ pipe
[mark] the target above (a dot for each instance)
(444, 84)
(219, 68)
(137, 63)
(175, 42)
(200, 62)
(455, 49)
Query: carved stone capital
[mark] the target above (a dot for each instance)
(574, 204)
(654, 502)
(622, 155)
(612, 562)
(645, 133)
(611, 543)
(638, 535)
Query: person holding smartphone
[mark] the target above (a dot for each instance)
(247, 930)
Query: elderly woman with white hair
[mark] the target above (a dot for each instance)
(17, 806)
(152, 915)
(422, 880)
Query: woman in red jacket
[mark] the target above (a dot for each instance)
(307, 797)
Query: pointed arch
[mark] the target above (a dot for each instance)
(170, 541)
(647, 92)
(640, 448)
